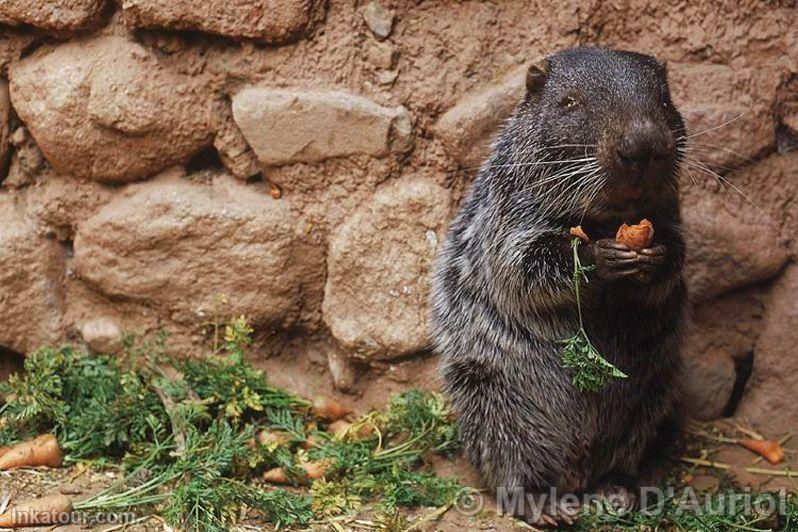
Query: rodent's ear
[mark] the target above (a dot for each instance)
(536, 75)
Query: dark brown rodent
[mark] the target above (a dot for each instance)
(594, 142)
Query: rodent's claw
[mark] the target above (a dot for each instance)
(554, 516)
(649, 261)
(616, 261)
(657, 251)
(613, 260)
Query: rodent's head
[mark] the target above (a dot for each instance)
(602, 120)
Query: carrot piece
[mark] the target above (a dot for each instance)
(276, 476)
(41, 451)
(329, 409)
(272, 437)
(48, 510)
(770, 450)
(343, 428)
(577, 231)
(310, 442)
(638, 236)
(313, 471)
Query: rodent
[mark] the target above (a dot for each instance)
(595, 141)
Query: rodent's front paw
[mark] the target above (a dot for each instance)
(614, 261)
(650, 261)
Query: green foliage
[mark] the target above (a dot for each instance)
(590, 371)
(385, 466)
(232, 387)
(94, 407)
(426, 416)
(185, 436)
(208, 495)
(718, 513)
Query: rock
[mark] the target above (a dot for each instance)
(108, 110)
(769, 402)
(5, 108)
(381, 54)
(235, 153)
(719, 345)
(726, 110)
(375, 299)
(59, 203)
(269, 21)
(709, 381)
(773, 184)
(387, 77)
(103, 335)
(289, 126)
(31, 269)
(728, 247)
(787, 104)
(342, 370)
(53, 14)
(378, 19)
(468, 128)
(26, 161)
(178, 246)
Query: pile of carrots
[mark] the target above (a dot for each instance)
(325, 409)
(40, 451)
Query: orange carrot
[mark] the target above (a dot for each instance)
(343, 428)
(272, 437)
(770, 450)
(310, 442)
(41, 451)
(49, 510)
(638, 236)
(313, 471)
(577, 231)
(329, 409)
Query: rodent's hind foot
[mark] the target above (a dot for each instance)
(553, 514)
(619, 494)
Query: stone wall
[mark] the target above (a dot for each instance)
(166, 162)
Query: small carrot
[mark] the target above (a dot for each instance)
(577, 231)
(343, 428)
(329, 409)
(310, 442)
(313, 471)
(770, 450)
(49, 510)
(272, 438)
(41, 451)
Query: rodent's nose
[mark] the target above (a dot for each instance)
(642, 143)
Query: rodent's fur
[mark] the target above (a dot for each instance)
(502, 297)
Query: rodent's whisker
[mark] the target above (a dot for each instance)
(692, 145)
(708, 130)
(543, 163)
(690, 174)
(564, 176)
(703, 151)
(693, 156)
(698, 165)
(575, 185)
(601, 182)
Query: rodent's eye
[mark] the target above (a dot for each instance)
(569, 102)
